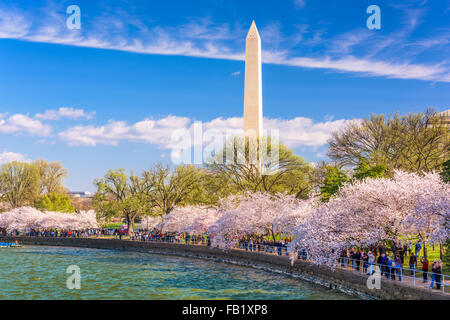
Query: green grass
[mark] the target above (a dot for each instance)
(434, 254)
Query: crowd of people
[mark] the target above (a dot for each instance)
(56, 233)
(392, 266)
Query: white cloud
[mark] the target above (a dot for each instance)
(293, 132)
(205, 39)
(69, 113)
(299, 4)
(20, 123)
(6, 157)
(150, 131)
(302, 131)
(13, 24)
(235, 74)
(402, 70)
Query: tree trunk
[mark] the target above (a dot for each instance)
(394, 249)
(129, 225)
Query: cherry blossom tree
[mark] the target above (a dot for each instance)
(150, 222)
(374, 210)
(23, 218)
(203, 222)
(181, 219)
(293, 212)
(27, 218)
(251, 214)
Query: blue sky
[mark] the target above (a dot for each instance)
(111, 94)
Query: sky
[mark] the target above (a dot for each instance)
(112, 93)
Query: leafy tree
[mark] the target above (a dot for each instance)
(19, 184)
(414, 142)
(166, 189)
(334, 179)
(55, 202)
(445, 173)
(120, 195)
(364, 170)
(289, 173)
(210, 188)
(51, 176)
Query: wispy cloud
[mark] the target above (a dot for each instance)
(6, 157)
(370, 67)
(376, 55)
(68, 113)
(13, 24)
(235, 74)
(299, 3)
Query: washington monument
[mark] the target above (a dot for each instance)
(253, 84)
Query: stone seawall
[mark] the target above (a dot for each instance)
(341, 280)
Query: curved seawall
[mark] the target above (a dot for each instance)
(342, 280)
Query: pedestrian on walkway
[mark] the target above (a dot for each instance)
(412, 263)
(433, 273)
(417, 249)
(438, 274)
(424, 261)
(371, 260)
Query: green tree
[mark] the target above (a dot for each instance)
(19, 184)
(364, 170)
(334, 180)
(51, 175)
(289, 173)
(414, 142)
(166, 189)
(210, 188)
(120, 195)
(55, 202)
(445, 173)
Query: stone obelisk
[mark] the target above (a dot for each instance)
(253, 84)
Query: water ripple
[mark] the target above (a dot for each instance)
(37, 272)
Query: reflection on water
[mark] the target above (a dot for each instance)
(36, 272)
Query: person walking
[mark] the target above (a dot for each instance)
(391, 265)
(383, 264)
(417, 249)
(371, 261)
(357, 259)
(405, 249)
(365, 261)
(438, 274)
(412, 263)
(433, 273)
(398, 268)
(424, 262)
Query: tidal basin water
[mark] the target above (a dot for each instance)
(38, 272)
